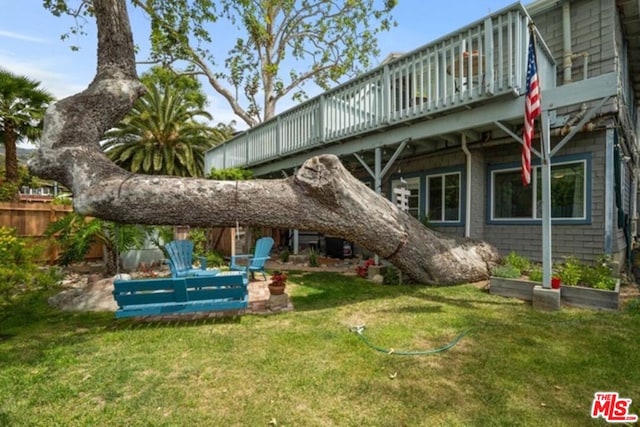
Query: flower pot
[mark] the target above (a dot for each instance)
(276, 288)
(555, 283)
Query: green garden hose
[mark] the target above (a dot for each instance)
(359, 331)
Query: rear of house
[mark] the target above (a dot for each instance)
(444, 121)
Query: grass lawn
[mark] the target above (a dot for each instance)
(516, 366)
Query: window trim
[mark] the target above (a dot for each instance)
(442, 175)
(422, 176)
(492, 170)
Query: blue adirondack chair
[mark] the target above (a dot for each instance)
(181, 260)
(254, 263)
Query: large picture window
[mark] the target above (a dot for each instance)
(443, 197)
(511, 200)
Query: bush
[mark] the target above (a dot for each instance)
(20, 271)
(214, 259)
(391, 276)
(284, 255)
(522, 264)
(535, 274)
(570, 272)
(313, 257)
(506, 271)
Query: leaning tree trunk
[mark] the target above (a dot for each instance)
(322, 196)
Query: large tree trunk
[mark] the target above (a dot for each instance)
(10, 152)
(322, 196)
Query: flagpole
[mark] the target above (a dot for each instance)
(546, 200)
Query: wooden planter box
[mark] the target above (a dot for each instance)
(579, 296)
(576, 296)
(513, 288)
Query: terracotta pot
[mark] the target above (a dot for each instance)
(276, 289)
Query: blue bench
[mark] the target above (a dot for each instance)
(180, 295)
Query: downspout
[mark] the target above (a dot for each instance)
(566, 42)
(467, 213)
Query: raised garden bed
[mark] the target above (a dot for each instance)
(576, 296)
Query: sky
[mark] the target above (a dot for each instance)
(31, 45)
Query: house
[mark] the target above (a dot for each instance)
(446, 120)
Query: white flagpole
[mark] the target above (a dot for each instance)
(546, 200)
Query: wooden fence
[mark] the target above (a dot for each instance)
(31, 220)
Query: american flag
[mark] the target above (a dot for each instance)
(531, 109)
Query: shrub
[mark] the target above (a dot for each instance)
(506, 271)
(391, 276)
(313, 257)
(214, 259)
(521, 263)
(284, 255)
(535, 274)
(570, 272)
(19, 268)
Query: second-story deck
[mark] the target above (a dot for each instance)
(480, 64)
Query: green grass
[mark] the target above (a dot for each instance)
(516, 366)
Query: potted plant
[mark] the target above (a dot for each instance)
(278, 283)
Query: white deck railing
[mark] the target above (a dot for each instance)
(476, 63)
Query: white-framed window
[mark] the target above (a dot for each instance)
(413, 185)
(510, 200)
(443, 197)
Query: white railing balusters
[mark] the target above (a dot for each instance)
(482, 60)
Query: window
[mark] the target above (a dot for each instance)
(511, 200)
(443, 197)
(413, 185)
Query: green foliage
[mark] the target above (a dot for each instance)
(570, 272)
(279, 45)
(313, 257)
(507, 271)
(391, 276)
(230, 174)
(598, 276)
(199, 238)
(189, 85)
(160, 236)
(76, 234)
(284, 255)
(162, 136)
(214, 259)
(8, 191)
(535, 274)
(633, 307)
(62, 201)
(22, 107)
(20, 269)
(519, 262)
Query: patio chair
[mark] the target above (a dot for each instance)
(181, 260)
(254, 263)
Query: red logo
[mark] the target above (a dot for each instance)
(612, 408)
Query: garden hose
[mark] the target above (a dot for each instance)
(359, 331)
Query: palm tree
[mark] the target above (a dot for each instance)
(160, 135)
(22, 108)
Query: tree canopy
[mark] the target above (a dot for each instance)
(22, 106)
(279, 46)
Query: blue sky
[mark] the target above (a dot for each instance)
(30, 42)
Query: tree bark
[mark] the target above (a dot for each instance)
(10, 152)
(323, 196)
